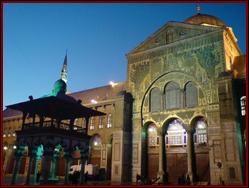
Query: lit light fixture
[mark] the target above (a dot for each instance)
(152, 129)
(14, 147)
(4, 135)
(14, 134)
(94, 101)
(8, 135)
(75, 128)
(5, 147)
(95, 143)
(113, 83)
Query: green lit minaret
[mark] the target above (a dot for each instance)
(64, 70)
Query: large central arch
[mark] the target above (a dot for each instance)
(174, 150)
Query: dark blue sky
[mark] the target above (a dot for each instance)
(96, 36)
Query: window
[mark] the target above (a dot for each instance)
(109, 121)
(152, 135)
(101, 120)
(83, 123)
(176, 134)
(76, 121)
(191, 96)
(173, 97)
(243, 105)
(155, 100)
(200, 135)
(96, 141)
(91, 127)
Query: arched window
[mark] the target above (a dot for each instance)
(109, 121)
(96, 141)
(101, 122)
(191, 95)
(173, 97)
(155, 100)
(200, 135)
(91, 127)
(176, 134)
(152, 135)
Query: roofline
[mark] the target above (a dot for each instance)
(172, 44)
(100, 87)
(162, 28)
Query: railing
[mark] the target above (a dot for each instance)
(54, 125)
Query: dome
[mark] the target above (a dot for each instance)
(59, 87)
(200, 19)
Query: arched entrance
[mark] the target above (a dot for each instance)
(153, 155)
(175, 158)
(150, 151)
(201, 151)
(95, 155)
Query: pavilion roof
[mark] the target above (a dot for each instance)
(55, 107)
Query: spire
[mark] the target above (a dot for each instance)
(198, 8)
(64, 69)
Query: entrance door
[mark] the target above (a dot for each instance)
(176, 166)
(202, 167)
(153, 165)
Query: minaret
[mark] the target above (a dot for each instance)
(64, 70)
(198, 8)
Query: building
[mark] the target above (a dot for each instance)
(181, 111)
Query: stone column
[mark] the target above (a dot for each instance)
(82, 170)
(189, 153)
(29, 169)
(16, 169)
(7, 159)
(68, 161)
(19, 154)
(87, 123)
(37, 158)
(53, 170)
(160, 173)
(46, 163)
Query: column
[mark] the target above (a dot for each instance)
(19, 153)
(87, 123)
(37, 158)
(68, 161)
(7, 159)
(189, 154)
(46, 165)
(160, 168)
(82, 170)
(16, 169)
(83, 158)
(29, 169)
(53, 170)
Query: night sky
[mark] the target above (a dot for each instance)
(96, 37)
